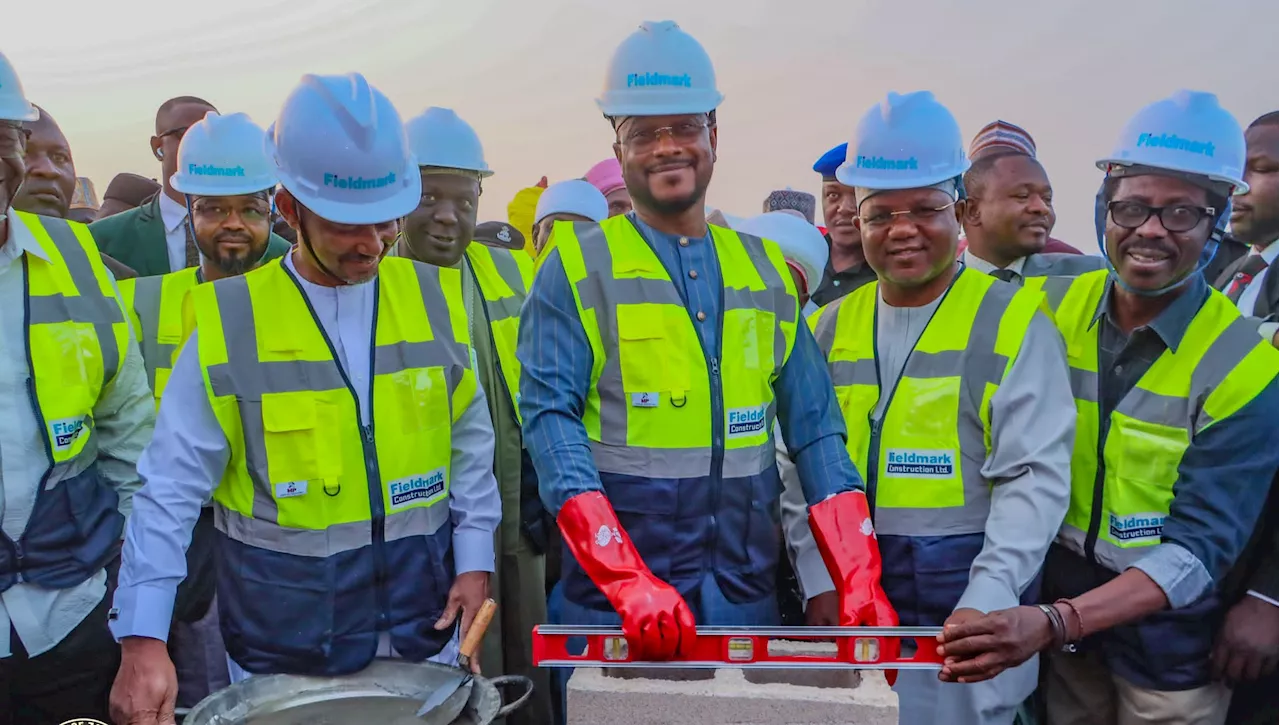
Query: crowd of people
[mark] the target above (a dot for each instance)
(293, 407)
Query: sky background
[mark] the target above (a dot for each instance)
(796, 75)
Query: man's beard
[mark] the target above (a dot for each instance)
(642, 197)
(233, 266)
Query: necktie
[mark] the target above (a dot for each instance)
(1006, 275)
(1253, 264)
(193, 252)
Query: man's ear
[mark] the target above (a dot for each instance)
(156, 151)
(287, 206)
(617, 151)
(968, 213)
(714, 134)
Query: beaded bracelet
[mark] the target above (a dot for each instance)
(1079, 620)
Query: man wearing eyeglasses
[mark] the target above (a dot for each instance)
(154, 238)
(656, 351)
(954, 389)
(1175, 451)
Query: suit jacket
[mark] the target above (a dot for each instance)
(1059, 264)
(1230, 250)
(1268, 300)
(136, 239)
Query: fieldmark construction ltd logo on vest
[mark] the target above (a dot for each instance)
(413, 489)
(919, 463)
(644, 80)
(359, 183)
(211, 170)
(1175, 142)
(1137, 527)
(745, 421)
(62, 433)
(883, 164)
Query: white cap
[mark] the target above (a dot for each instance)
(223, 156)
(574, 196)
(14, 105)
(904, 142)
(1187, 133)
(659, 70)
(800, 241)
(438, 137)
(340, 149)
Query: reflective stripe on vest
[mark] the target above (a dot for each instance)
(305, 477)
(649, 410)
(76, 338)
(1220, 365)
(155, 304)
(504, 283)
(925, 472)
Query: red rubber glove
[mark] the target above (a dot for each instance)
(656, 620)
(841, 527)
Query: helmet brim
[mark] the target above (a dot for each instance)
(1238, 186)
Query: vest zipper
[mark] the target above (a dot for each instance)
(372, 473)
(876, 426)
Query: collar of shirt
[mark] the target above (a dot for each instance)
(975, 262)
(171, 213)
(1171, 324)
(19, 241)
(652, 235)
(1268, 253)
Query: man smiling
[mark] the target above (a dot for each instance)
(1176, 423)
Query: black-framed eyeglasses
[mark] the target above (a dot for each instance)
(1174, 218)
(683, 133)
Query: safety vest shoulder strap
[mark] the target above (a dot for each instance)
(1235, 365)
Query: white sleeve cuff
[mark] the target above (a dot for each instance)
(145, 610)
(811, 571)
(1177, 572)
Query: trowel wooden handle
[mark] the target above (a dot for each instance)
(478, 626)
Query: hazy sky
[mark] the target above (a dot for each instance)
(796, 74)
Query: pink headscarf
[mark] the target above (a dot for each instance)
(606, 176)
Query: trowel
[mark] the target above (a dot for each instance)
(461, 685)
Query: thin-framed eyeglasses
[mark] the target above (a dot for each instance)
(1174, 218)
(682, 133)
(918, 215)
(219, 211)
(178, 131)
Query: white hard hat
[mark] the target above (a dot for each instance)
(574, 196)
(1187, 133)
(223, 156)
(800, 241)
(439, 138)
(14, 105)
(907, 141)
(659, 70)
(340, 149)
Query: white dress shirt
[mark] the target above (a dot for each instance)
(123, 420)
(1250, 295)
(174, 216)
(188, 455)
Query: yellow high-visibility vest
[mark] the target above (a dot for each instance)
(155, 305)
(305, 475)
(1220, 365)
(649, 410)
(77, 337)
(923, 460)
(504, 278)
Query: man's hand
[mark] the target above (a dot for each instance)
(468, 592)
(1247, 644)
(978, 648)
(823, 610)
(146, 687)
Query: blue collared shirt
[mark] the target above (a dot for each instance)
(556, 361)
(1224, 476)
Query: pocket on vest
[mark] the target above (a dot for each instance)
(91, 506)
(275, 603)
